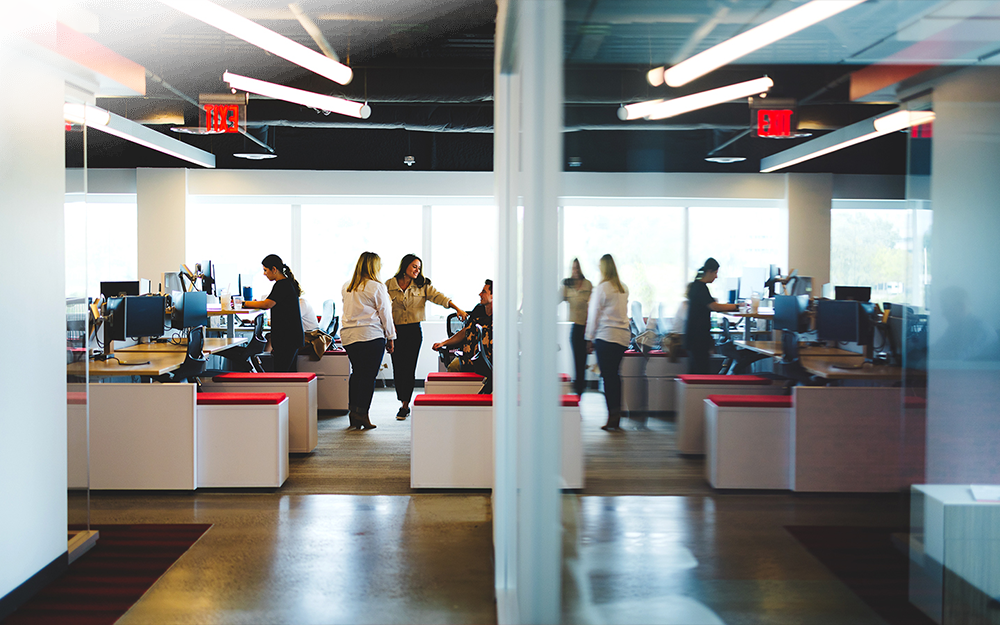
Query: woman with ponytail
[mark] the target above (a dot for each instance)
(286, 320)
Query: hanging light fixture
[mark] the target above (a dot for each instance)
(661, 109)
(298, 96)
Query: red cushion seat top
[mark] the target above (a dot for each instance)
(240, 399)
(564, 377)
(238, 376)
(335, 350)
(454, 376)
(751, 401)
(76, 397)
(570, 400)
(452, 399)
(690, 378)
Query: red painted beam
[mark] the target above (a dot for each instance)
(33, 25)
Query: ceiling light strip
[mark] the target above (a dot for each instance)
(845, 137)
(106, 121)
(754, 39)
(661, 109)
(298, 96)
(253, 33)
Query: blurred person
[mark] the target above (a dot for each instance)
(481, 316)
(366, 333)
(608, 334)
(576, 290)
(410, 291)
(698, 329)
(286, 319)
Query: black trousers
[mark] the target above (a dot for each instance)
(404, 359)
(284, 358)
(366, 358)
(579, 345)
(609, 359)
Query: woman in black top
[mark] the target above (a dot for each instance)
(286, 320)
(698, 329)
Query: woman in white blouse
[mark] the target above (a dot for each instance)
(576, 290)
(608, 334)
(366, 331)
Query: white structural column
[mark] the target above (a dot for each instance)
(161, 199)
(963, 389)
(810, 197)
(539, 53)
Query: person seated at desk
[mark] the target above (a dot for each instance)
(698, 330)
(481, 316)
(286, 321)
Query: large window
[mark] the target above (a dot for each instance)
(333, 237)
(111, 244)
(646, 243)
(236, 237)
(877, 248)
(463, 253)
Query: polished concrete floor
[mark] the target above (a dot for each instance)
(272, 557)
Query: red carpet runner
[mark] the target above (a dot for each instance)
(103, 584)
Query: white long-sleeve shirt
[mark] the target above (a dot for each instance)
(367, 314)
(309, 322)
(607, 317)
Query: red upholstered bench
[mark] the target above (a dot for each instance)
(301, 389)
(692, 390)
(242, 440)
(748, 441)
(451, 441)
(452, 383)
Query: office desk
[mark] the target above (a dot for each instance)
(773, 348)
(212, 346)
(229, 314)
(822, 362)
(158, 364)
(747, 332)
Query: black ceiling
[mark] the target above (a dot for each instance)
(426, 68)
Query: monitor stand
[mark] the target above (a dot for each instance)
(109, 351)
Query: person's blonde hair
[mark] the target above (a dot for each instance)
(609, 272)
(368, 267)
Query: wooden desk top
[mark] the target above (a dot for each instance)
(213, 345)
(773, 348)
(158, 364)
(241, 311)
(828, 369)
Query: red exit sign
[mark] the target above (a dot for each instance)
(222, 117)
(774, 122)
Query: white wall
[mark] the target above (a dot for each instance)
(809, 200)
(33, 373)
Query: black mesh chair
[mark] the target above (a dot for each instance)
(329, 322)
(453, 324)
(480, 362)
(194, 362)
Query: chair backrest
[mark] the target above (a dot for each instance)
(453, 324)
(196, 342)
(638, 326)
(328, 322)
(258, 329)
(194, 361)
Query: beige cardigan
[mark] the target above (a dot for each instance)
(408, 305)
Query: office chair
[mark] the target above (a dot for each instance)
(241, 358)
(480, 362)
(330, 322)
(194, 362)
(453, 324)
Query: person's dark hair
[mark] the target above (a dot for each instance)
(489, 283)
(273, 261)
(710, 265)
(421, 279)
(569, 281)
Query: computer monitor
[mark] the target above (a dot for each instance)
(114, 319)
(190, 310)
(207, 270)
(855, 293)
(144, 316)
(838, 320)
(120, 288)
(789, 313)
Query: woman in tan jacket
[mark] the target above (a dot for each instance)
(410, 291)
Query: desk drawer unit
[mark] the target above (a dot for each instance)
(648, 381)
(333, 372)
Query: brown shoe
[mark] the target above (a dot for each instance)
(364, 422)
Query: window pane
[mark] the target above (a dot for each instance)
(236, 237)
(646, 243)
(463, 253)
(112, 243)
(868, 247)
(333, 237)
(739, 238)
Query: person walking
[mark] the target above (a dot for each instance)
(576, 290)
(410, 291)
(608, 334)
(366, 332)
(286, 319)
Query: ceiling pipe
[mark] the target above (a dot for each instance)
(314, 31)
(143, 38)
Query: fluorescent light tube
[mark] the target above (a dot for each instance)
(845, 137)
(106, 121)
(253, 33)
(754, 39)
(298, 96)
(660, 109)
